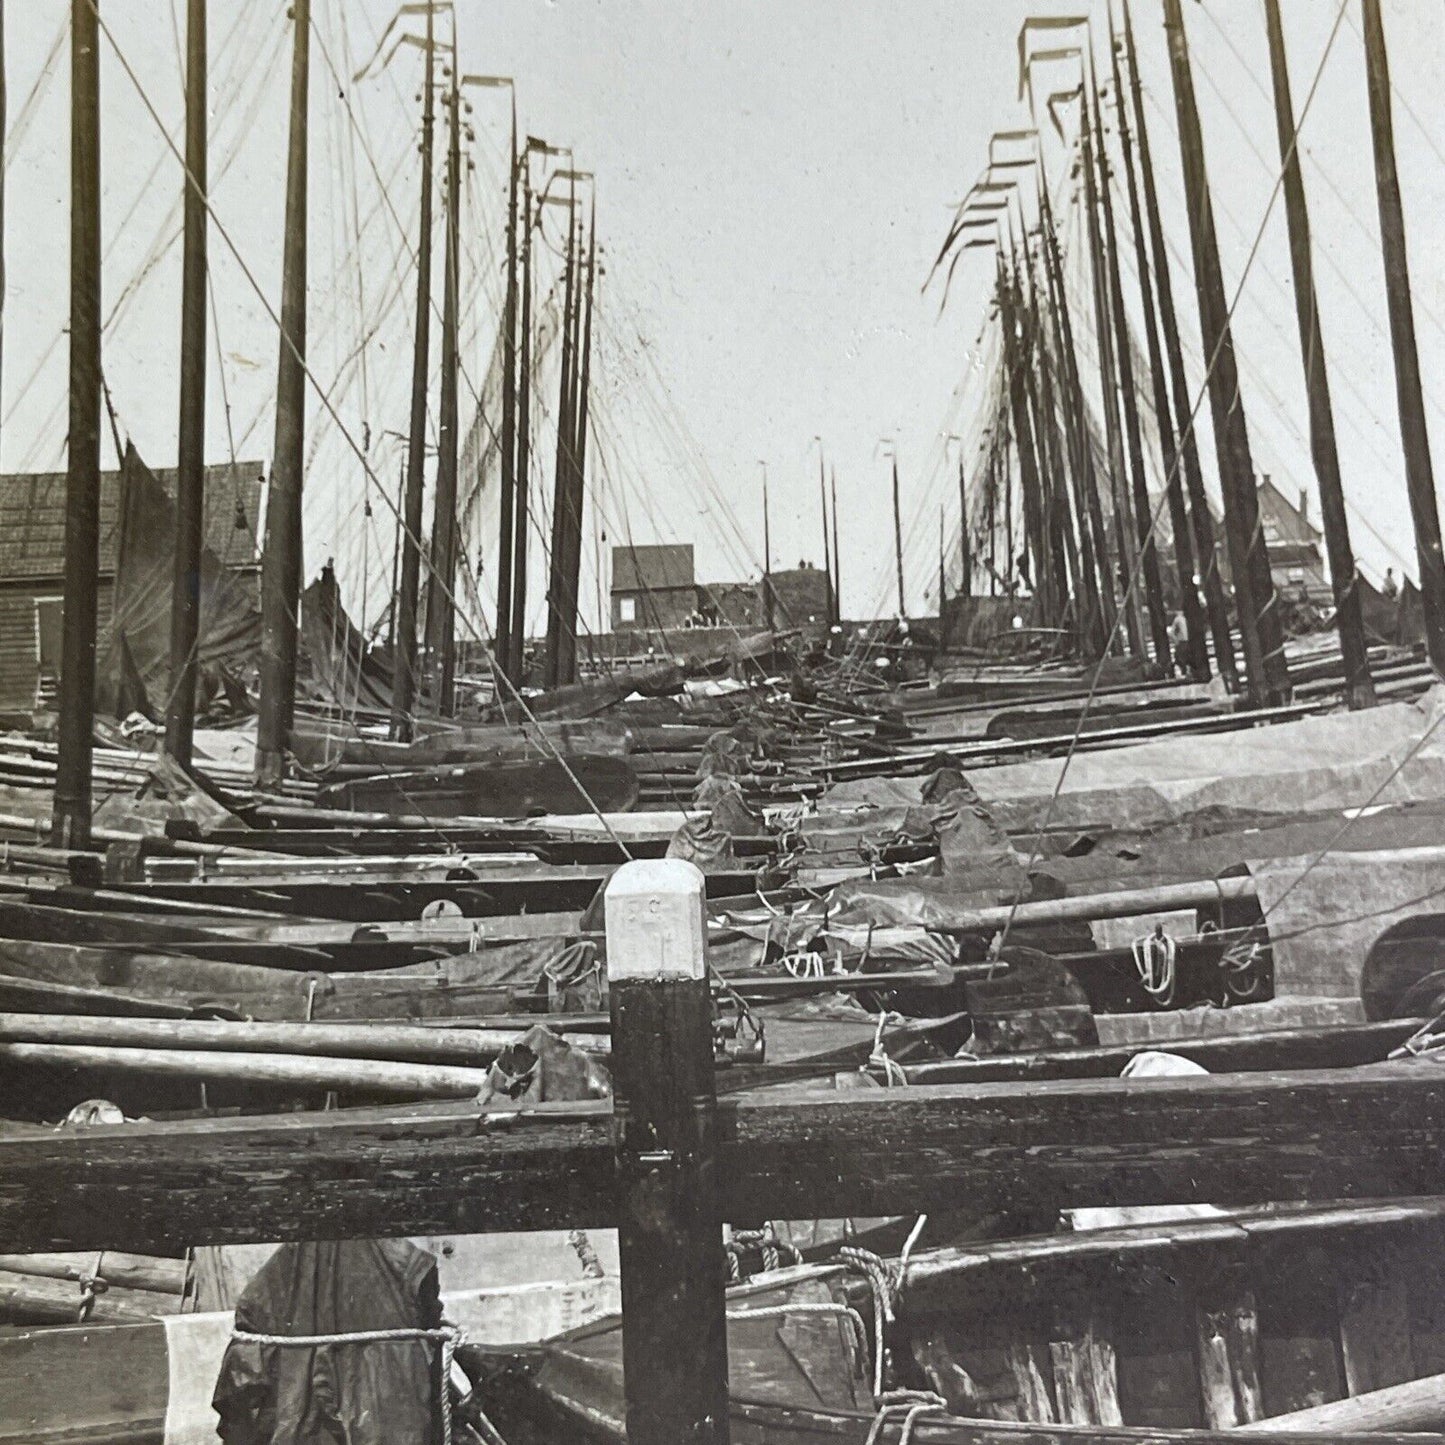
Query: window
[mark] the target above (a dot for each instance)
(627, 609)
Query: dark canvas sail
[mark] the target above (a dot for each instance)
(135, 666)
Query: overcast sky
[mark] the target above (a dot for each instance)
(774, 178)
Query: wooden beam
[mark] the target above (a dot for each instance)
(1376, 1132)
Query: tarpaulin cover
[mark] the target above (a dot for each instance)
(365, 1394)
(1324, 913)
(339, 666)
(134, 671)
(1392, 753)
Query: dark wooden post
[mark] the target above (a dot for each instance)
(1359, 689)
(827, 550)
(517, 636)
(70, 825)
(1259, 620)
(664, 1123)
(281, 558)
(1206, 551)
(404, 683)
(837, 556)
(898, 541)
(191, 448)
(561, 476)
(571, 592)
(1419, 471)
(501, 638)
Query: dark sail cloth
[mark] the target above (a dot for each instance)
(373, 1393)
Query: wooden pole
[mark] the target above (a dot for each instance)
(1147, 554)
(767, 554)
(1349, 619)
(837, 555)
(1415, 1405)
(965, 555)
(404, 683)
(517, 636)
(577, 461)
(4, 127)
(191, 450)
(1206, 551)
(281, 559)
(70, 825)
(501, 638)
(1419, 470)
(1189, 599)
(1259, 621)
(898, 540)
(441, 617)
(664, 1132)
(823, 515)
(561, 485)
(1125, 546)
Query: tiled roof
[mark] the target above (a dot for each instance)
(32, 518)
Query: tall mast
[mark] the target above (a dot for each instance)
(1259, 621)
(965, 561)
(441, 620)
(517, 634)
(1206, 551)
(281, 560)
(572, 559)
(70, 823)
(1173, 483)
(1125, 545)
(1124, 356)
(404, 683)
(4, 128)
(898, 540)
(767, 554)
(561, 480)
(942, 611)
(1359, 689)
(1419, 470)
(837, 555)
(501, 637)
(823, 513)
(191, 449)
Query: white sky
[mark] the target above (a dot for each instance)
(774, 179)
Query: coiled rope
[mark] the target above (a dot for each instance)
(1156, 958)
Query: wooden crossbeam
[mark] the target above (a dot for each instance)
(1376, 1132)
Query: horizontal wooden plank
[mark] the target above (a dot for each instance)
(1376, 1133)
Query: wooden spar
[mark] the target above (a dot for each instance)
(1131, 600)
(153, 1273)
(70, 825)
(665, 1138)
(1206, 552)
(502, 632)
(404, 681)
(823, 515)
(965, 552)
(441, 615)
(4, 130)
(767, 554)
(397, 1042)
(1190, 604)
(837, 555)
(1416, 1405)
(1414, 434)
(1349, 617)
(1092, 536)
(561, 478)
(281, 556)
(571, 579)
(898, 540)
(1259, 620)
(380, 1172)
(288, 1071)
(1140, 507)
(191, 448)
(517, 633)
(942, 582)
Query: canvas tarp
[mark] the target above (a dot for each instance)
(340, 667)
(134, 671)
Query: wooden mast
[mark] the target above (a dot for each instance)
(837, 555)
(1125, 545)
(1419, 470)
(1206, 551)
(191, 449)
(70, 824)
(501, 637)
(1147, 554)
(404, 682)
(898, 540)
(441, 617)
(1259, 621)
(517, 635)
(572, 557)
(823, 513)
(561, 478)
(281, 559)
(1190, 605)
(767, 553)
(965, 556)
(1359, 688)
